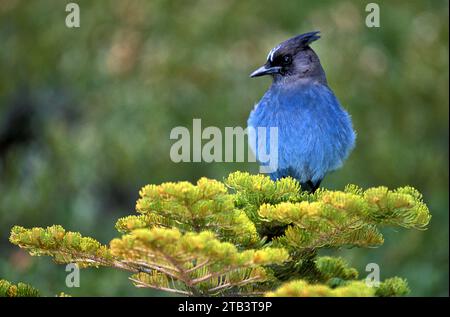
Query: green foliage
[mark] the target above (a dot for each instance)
(206, 206)
(299, 288)
(20, 290)
(65, 247)
(335, 268)
(195, 263)
(208, 239)
(321, 221)
(394, 286)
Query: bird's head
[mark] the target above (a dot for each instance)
(293, 60)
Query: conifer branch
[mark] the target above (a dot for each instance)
(209, 239)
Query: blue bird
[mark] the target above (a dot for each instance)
(315, 134)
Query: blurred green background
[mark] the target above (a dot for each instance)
(85, 114)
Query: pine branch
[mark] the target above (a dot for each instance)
(17, 290)
(209, 239)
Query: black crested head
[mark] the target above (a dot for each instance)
(293, 45)
(293, 59)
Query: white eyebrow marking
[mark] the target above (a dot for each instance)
(272, 52)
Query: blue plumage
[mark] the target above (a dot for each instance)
(315, 133)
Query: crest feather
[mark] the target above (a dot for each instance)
(294, 44)
(305, 39)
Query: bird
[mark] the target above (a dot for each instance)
(315, 133)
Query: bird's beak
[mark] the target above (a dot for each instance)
(265, 70)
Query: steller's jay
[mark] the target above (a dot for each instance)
(315, 133)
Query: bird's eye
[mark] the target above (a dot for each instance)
(287, 59)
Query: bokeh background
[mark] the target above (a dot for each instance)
(85, 114)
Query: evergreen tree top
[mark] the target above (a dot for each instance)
(211, 238)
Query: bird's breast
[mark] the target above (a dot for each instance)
(314, 132)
